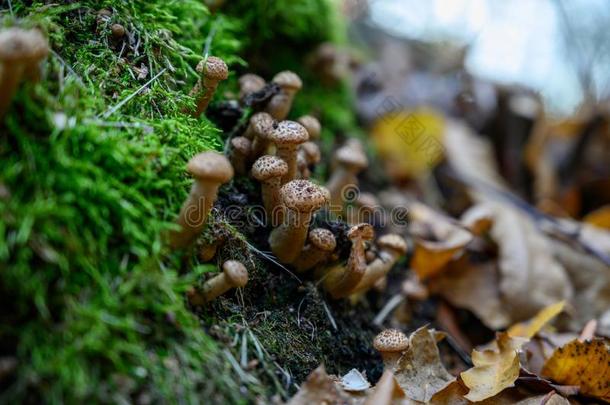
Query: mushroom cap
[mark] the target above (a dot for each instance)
(211, 166)
(288, 133)
(213, 68)
(269, 167)
(312, 152)
(323, 239)
(391, 340)
(235, 273)
(312, 125)
(19, 44)
(262, 124)
(288, 80)
(368, 200)
(251, 82)
(352, 156)
(363, 231)
(302, 195)
(394, 242)
(241, 144)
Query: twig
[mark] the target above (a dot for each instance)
(271, 258)
(132, 95)
(330, 316)
(387, 309)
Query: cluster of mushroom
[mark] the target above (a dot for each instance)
(280, 154)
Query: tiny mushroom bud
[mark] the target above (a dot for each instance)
(118, 31)
(321, 244)
(287, 136)
(241, 149)
(210, 170)
(250, 83)
(260, 127)
(350, 161)
(20, 53)
(301, 198)
(234, 275)
(391, 344)
(279, 106)
(312, 125)
(391, 247)
(212, 70)
(269, 171)
(340, 281)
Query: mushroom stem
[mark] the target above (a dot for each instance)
(300, 199)
(341, 281)
(210, 170)
(340, 179)
(10, 77)
(392, 247)
(270, 190)
(288, 153)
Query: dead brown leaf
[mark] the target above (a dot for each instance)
(320, 388)
(419, 371)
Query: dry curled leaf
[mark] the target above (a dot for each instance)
(386, 392)
(320, 388)
(494, 370)
(530, 328)
(585, 364)
(438, 240)
(419, 371)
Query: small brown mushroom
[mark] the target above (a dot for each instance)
(321, 244)
(391, 343)
(118, 31)
(287, 136)
(391, 247)
(241, 149)
(312, 125)
(20, 54)
(213, 70)
(234, 275)
(279, 106)
(250, 83)
(260, 127)
(340, 281)
(308, 154)
(269, 171)
(301, 198)
(210, 170)
(350, 161)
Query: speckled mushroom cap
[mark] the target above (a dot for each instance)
(288, 80)
(351, 156)
(323, 239)
(213, 68)
(268, 167)
(312, 125)
(302, 196)
(211, 166)
(241, 144)
(288, 133)
(19, 44)
(312, 152)
(364, 231)
(235, 273)
(391, 340)
(262, 123)
(394, 242)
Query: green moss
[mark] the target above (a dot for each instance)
(92, 307)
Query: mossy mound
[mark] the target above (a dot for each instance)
(92, 174)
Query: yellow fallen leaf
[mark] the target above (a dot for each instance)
(599, 218)
(494, 370)
(409, 142)
(530, 328)
(586, 364)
